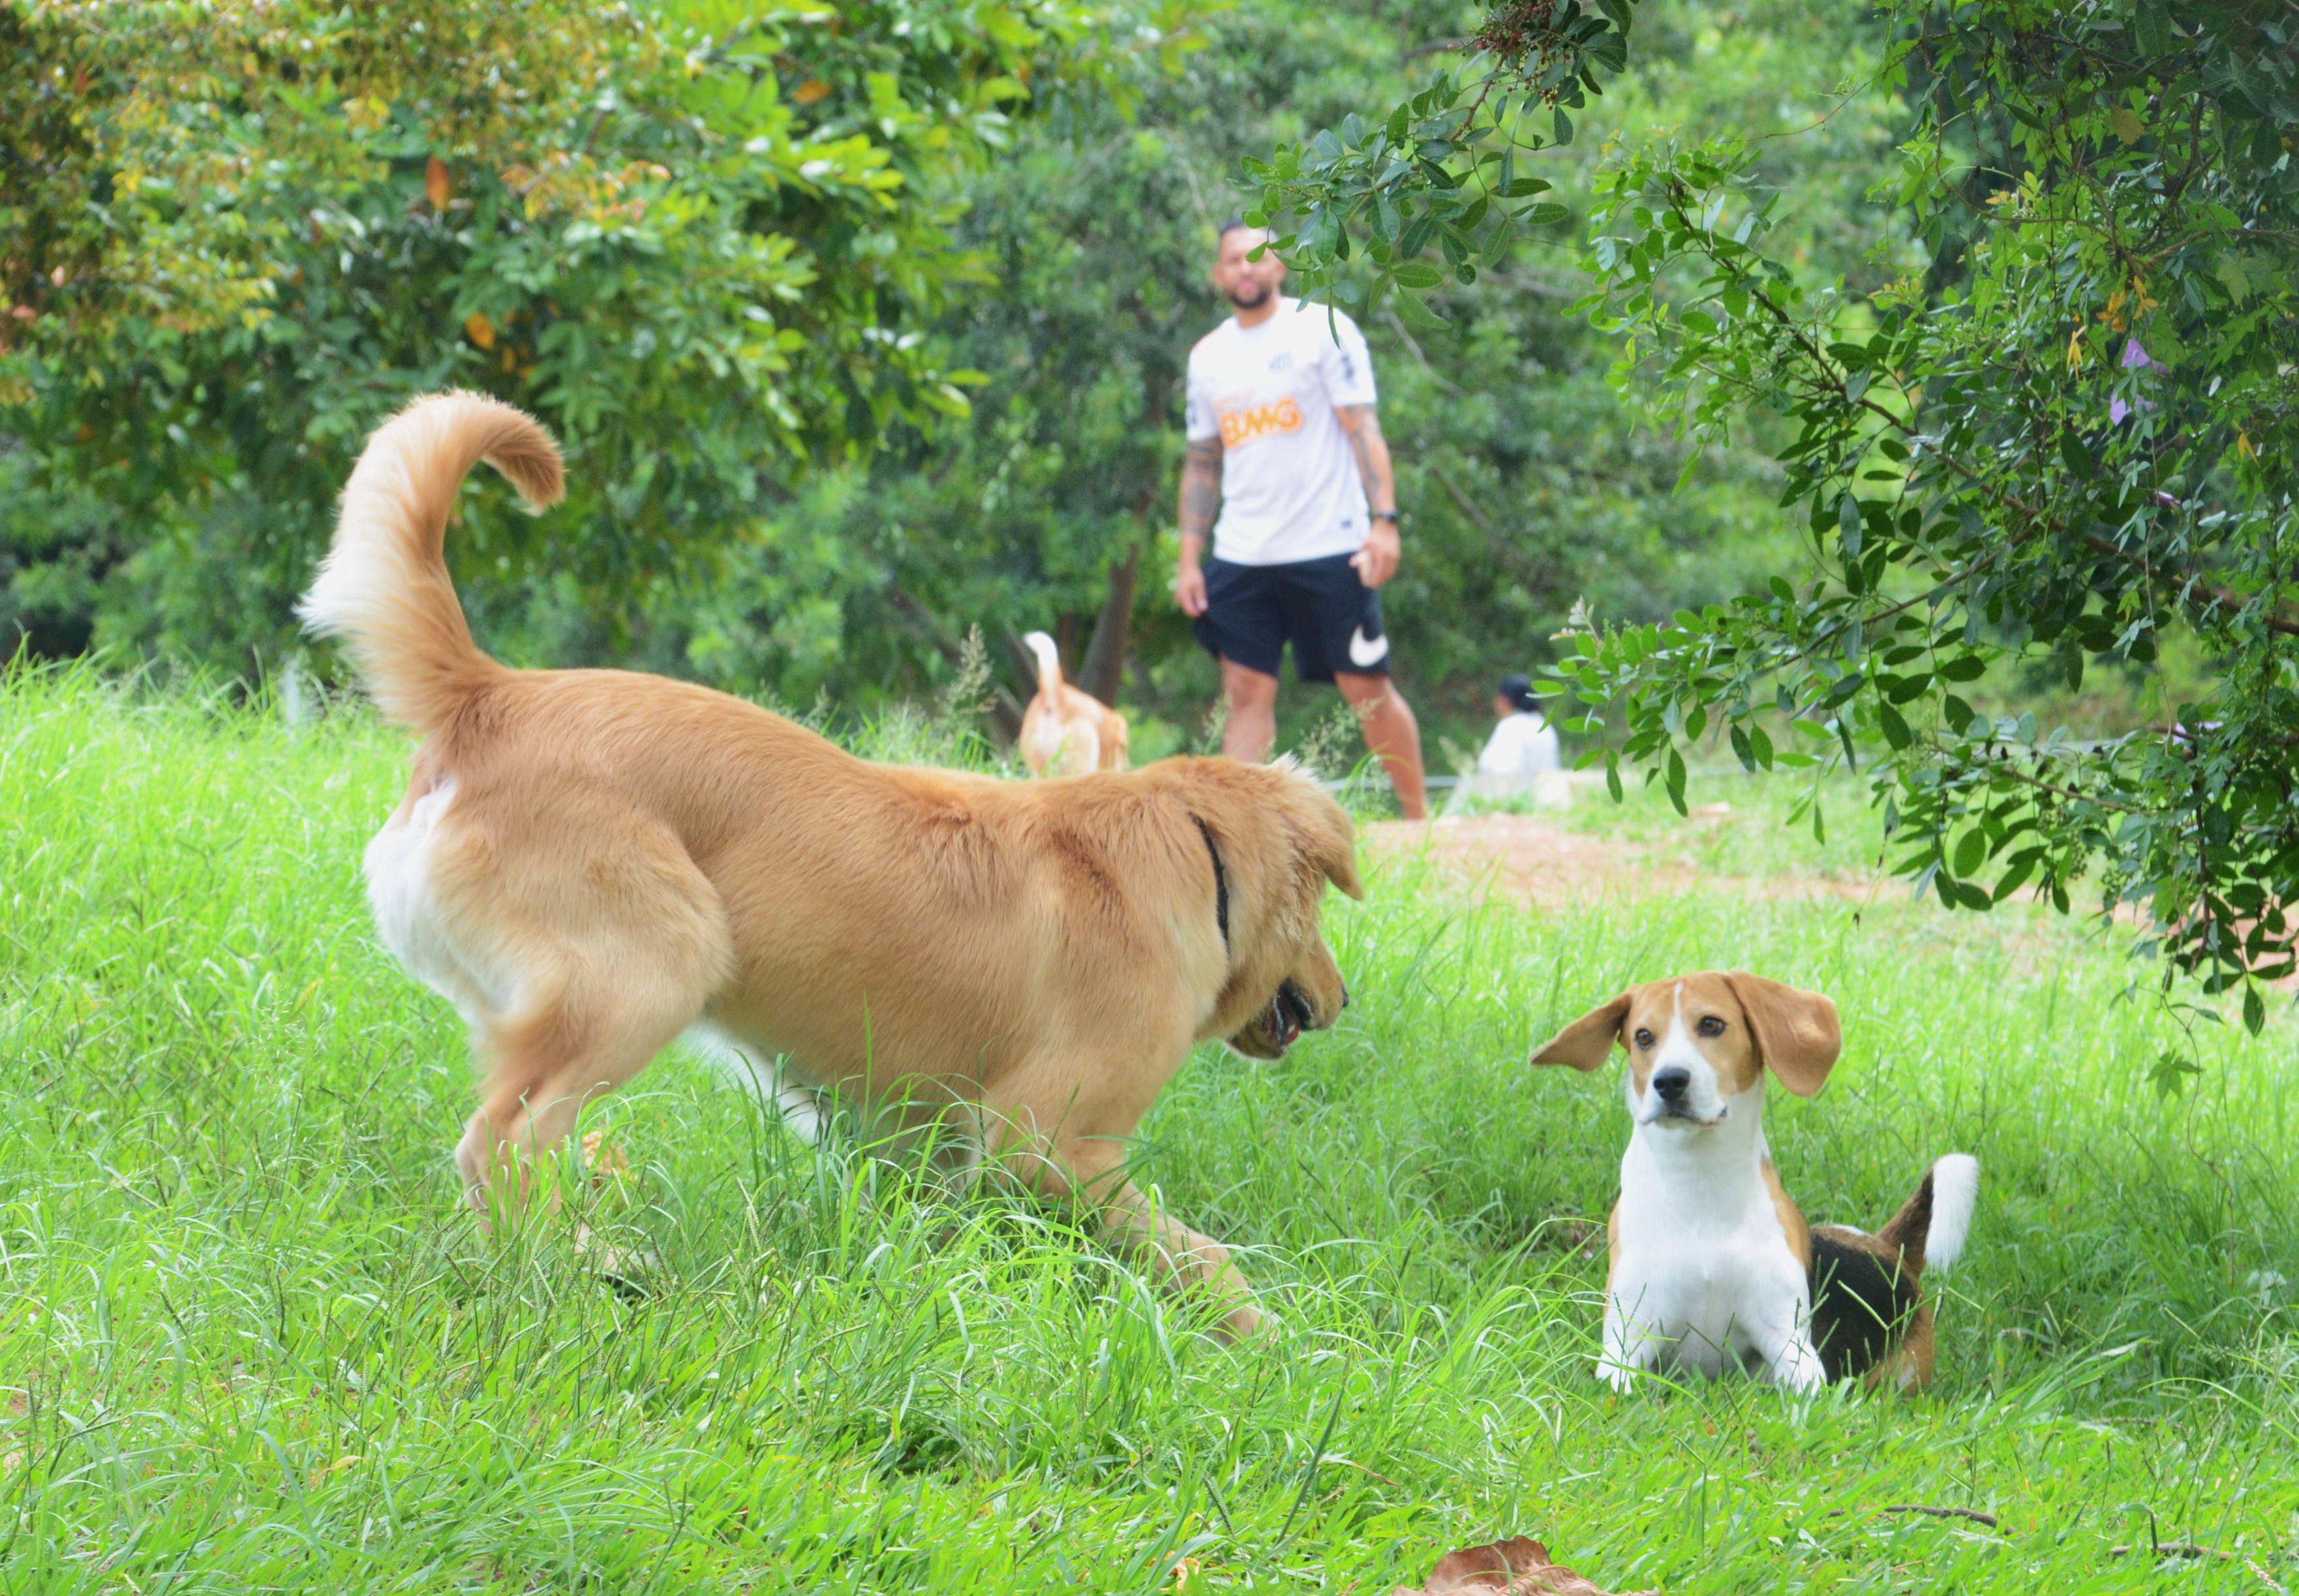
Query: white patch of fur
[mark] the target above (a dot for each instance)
(799, 1104)
(1289, 763)
(1050, 660)
(1956, 1193)
(1063, 749)
(1705, 1278)
(365, 576)
(409, 919)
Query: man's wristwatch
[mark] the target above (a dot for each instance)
(1389, 516)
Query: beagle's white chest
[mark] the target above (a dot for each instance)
(1704, 1279)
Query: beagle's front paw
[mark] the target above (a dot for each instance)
(1796, 1368)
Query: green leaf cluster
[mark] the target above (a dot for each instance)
(1526, 482)
(1445, 170)
(702, 240)
(2069, 437)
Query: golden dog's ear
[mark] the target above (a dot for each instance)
(1329, 839)
(1588, 1042)
(1339, 862)
(1797, 1034)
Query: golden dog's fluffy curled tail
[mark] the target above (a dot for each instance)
(384, 588)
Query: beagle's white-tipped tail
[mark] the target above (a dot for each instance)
(1049, 662)
(1955, 1193)
(384, 587)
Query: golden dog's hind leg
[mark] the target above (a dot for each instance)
(628, 966)
(543, 1066)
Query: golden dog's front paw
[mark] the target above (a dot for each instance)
(1243, 1323)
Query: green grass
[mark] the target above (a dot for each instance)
(247, 1340)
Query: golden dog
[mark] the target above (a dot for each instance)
(587, 863)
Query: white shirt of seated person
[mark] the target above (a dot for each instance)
(1524, 744)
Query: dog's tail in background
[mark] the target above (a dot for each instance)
(1049, 665)
(1931, 1227)
(384, 588)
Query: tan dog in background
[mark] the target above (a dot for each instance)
(1712, 1264)
(587, 863)
(1066, 730)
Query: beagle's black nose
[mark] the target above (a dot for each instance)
(1673, 1084)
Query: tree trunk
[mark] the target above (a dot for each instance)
(1103, 672)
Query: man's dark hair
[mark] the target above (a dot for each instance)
(1233, 224)
(1518, 688)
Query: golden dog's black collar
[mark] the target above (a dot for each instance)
(1221, 882)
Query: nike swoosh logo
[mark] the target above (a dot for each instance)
(1362, 652)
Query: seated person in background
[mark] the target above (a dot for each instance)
(1522, 759)
(1524, 744)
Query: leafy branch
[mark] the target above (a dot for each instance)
(1356, 209)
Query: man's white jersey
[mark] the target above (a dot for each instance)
(1290, 490)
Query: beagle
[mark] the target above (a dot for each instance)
(1067, 731)
(1711, 1263)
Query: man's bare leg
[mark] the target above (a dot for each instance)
(1252, 712)
(1391, 732)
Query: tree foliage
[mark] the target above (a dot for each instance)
(1066, 250)
(1526, 481)
(2067, 437)
(700, 240)
(1445, 170)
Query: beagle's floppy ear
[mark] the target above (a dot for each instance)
(1588, 1042)
(1797, 1034)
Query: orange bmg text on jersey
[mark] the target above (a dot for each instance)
(1242, 426)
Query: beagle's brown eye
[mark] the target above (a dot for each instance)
(1711, 1026)
(1644, 1038)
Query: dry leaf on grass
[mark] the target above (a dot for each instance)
(603, 1158)
(1518, 1567)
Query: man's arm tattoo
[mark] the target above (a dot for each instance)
(1201, 487)
(1372, 449)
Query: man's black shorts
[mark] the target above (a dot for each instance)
(1321, 606)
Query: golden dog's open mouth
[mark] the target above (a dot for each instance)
(1273, 1030)
(1290, 1015)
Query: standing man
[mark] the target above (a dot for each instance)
(1284, 444)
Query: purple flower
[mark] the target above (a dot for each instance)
(2134, 359)
(2116, 411)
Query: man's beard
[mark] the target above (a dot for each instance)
(1250, 294)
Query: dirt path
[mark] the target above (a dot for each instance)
(1548, 866)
